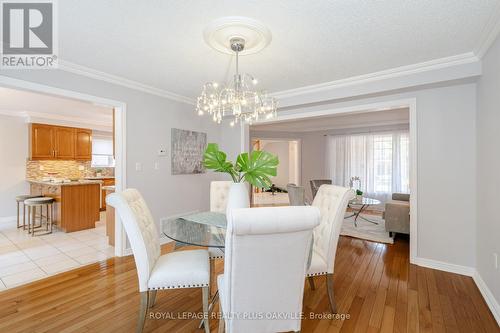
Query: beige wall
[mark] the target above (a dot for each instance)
(488, 166)
(13, 154)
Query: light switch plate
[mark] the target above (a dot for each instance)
(138, 166)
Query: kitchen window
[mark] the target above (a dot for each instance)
(102, 153)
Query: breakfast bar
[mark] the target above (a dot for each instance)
(76, 202)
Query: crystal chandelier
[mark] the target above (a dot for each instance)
(238, 100)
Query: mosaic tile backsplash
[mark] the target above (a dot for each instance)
(63, 169)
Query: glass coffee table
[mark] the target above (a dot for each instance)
(358, 206)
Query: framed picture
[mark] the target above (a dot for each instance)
(187, 151)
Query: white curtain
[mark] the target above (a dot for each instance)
(380, 160)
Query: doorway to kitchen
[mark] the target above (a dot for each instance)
(87, 134)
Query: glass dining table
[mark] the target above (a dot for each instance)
(206, 229)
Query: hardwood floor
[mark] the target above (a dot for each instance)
(377, 290)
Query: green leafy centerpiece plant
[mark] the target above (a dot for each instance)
(255, 168)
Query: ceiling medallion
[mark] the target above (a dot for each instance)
(238, 100)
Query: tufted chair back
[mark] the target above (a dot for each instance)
(332, 202)
(265, 264)
(141, 231)
(219, 192)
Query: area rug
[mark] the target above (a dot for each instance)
(367, 230)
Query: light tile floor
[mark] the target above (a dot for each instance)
(24, 258)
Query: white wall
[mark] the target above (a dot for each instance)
(488, 167)
(13, 154)
(446, 167)
(148, 124)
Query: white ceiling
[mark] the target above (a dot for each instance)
(160, 43)
(43, 108)
(340, 121)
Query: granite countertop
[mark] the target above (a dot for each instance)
(78, 182)
(102, 177)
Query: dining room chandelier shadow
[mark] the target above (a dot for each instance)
(239, 100)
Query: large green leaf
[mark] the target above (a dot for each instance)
(257, 167)
(215, 159)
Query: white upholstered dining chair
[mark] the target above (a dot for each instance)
(331, 200)
(267, 250)
(219, 193)
(182, 269)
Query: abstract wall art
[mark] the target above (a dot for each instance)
(187, 151)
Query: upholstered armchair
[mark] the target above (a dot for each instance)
(182, 269)
(267, 250)
(397, 214)
(316, 184)
(331, 200)
(296, 195)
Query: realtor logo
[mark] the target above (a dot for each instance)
(29, 39)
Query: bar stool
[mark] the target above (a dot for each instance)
(20, 199)
(32, 205)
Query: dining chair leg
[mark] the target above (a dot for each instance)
(311, 282)
(212, 271)
(142, 311)
(331, 297)
(152, 298)
(206, 295)
(221, 324)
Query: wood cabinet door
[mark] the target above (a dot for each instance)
(65, 143)
(106, 182)
(83, 144)
(42, 142)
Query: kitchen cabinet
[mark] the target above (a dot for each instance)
(41, 142)
(106, 182)
(48, 142)
(110, 220)
(83, 144)
(64, 148)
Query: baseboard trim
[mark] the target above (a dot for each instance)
(7, 219)
(444, 266)
(487, 295)
(490, 300)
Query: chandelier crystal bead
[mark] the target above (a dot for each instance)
(239, 100)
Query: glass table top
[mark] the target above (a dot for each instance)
(204, 229)
(364, 201)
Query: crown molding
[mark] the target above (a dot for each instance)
(490, 33)
(396, 72)
(56, 119)
(114, 79)
(365, 125)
